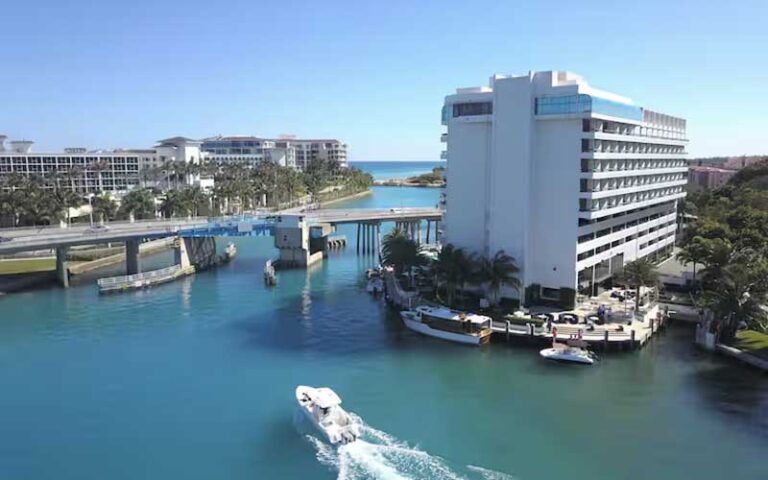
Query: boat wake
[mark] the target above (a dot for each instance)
(378, 455)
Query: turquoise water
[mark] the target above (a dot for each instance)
(195, 380)
(388, 170)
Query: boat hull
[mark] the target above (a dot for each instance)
(417, 326)
(554, 355)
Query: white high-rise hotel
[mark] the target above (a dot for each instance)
(572, 181)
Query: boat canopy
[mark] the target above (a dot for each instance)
(325, 398)
(448, 314)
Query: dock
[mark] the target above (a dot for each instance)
(628, 330)
(144, 279)
(603, 337)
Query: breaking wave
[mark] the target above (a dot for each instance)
(378, 455)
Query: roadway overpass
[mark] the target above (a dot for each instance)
(14, 240)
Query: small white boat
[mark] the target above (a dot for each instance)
(441, 322)
(560, 352)
(323, 408)
(375, 285)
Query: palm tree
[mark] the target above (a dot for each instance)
(401, 253)
(453, 267)
(139, 202)
(740, 294)
(696, 251)
(104, 207)
(195, 198)
(99, 166)
(501, 269)
(175, 203)
(639, 273)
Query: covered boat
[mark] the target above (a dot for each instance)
(449, 324)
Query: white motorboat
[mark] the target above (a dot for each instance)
(375, 285)
(560, 352)
(441, 322)
(323, 408)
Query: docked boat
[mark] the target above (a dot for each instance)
(375, 285)
(441, 322)
(323, 408)
(574, 352)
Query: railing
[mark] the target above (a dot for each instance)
(142, 277)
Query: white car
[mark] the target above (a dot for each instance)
(97, 229)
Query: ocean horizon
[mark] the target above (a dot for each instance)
(384, 170)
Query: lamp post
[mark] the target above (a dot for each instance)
(90, 204)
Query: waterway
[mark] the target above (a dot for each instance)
(195, 380)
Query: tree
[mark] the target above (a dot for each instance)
(401, 253)
(453, 267)
(501, 269)
(104, 207)
(695, 251)
(175, 203)
(739, 294)
(195, 199)
(138, 202)
(639, 273)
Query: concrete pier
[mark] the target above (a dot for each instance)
(132, 259)
(62, 272)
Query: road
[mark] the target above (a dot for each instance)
(44, 238)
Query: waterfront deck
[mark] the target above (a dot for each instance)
(607, 336)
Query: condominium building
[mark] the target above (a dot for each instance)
(709, 177)
(572, 181)
(92, 171)
(286, 151)
(248, 150)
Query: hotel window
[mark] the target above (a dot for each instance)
(470, 109)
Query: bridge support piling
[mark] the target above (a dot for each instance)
(429, 224)
(132, 259)
(418, 231)
(358, 238)
(62, 272)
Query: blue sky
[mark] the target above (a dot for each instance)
(124, 74)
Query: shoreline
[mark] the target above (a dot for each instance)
(347, 197)
(405, 182)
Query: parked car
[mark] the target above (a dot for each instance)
(5, 239)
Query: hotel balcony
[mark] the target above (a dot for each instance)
(595, 209)
(444, 138)
(444, 155)
(623, 188)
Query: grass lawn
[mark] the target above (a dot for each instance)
(752, 342)
(27, 265)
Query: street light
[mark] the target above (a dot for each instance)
(90, 204)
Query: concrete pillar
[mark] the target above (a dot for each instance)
(358, 238)
(62, 272)
(370, 238)
(181, 254)
(429, 224)
(418, 231)
(132, 260)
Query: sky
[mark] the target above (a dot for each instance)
(104, 74)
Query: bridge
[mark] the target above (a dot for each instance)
(301, 233)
